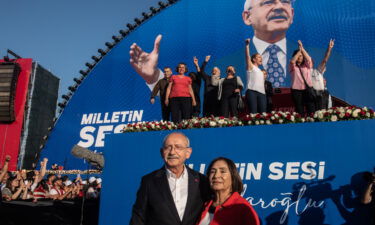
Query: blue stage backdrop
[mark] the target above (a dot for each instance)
(113, 94)
(303, 176)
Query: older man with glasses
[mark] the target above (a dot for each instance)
(174, 194)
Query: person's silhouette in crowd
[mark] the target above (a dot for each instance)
(348, 201)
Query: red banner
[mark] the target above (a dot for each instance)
(10, 134)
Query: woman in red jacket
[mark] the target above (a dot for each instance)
(227, 207)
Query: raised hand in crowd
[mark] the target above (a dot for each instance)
(300, 45)
(4, 170)
(323, 64)
(43, 168)
(247, 41)
(195, 60)
(75, 191)
(146, 64)
(21, 186)
(25, 189)
(208, 57)
(249, 63)
(304, 52)
(78, 178)
(68, 192)
(331, 43)
(196, 63)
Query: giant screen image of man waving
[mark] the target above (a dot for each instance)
(270, 20)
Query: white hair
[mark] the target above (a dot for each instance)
(180, 133)
(247, 4)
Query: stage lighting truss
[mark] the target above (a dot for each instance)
(95, 58)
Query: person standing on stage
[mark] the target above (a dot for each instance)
(318, 79)
(180, 95)
(174, 194)
(161, 88)
(300, 69)
(327, 98)
(255, 93)
(229, 92)
(269, 92)
(210, 101)
(196, 85)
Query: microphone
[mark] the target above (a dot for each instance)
(95, 159)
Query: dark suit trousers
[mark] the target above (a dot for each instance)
(229, 105)
(325, 99)
(181, 108)
(301, 100)
(197, 109)
(319, 101)
(165, 111)
(211, 104)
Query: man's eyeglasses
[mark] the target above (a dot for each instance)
(176, 147)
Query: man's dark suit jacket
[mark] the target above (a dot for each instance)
(154, 204)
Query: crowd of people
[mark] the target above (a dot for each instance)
(37, 185)
(180, 94)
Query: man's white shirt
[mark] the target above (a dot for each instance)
(179, 190)
(261, 47)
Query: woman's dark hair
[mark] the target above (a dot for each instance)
(50, 175)
(237, 185)
(44, 185)
(30, 175)
(253, 57)
(9, 183)
(93, 184)
(64, 178)
(295, 53)
(55, 180)
(181, 63)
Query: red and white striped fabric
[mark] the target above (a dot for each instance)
(39, 193)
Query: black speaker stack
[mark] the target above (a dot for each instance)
(9, 72)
